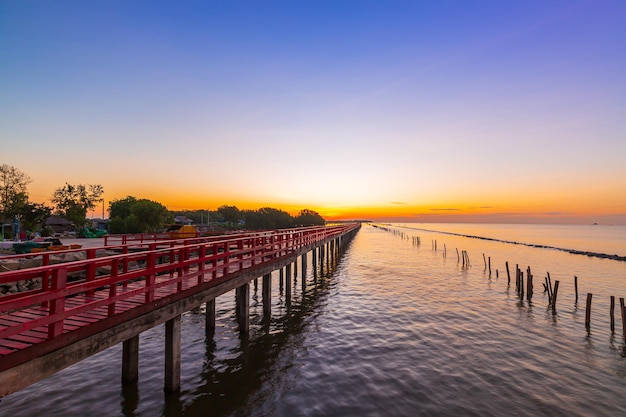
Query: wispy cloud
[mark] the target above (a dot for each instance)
(445, 209)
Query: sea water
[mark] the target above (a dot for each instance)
(391, 329)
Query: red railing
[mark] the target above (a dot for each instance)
(88, 293)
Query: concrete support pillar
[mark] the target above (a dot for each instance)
(281, 278)
(314, 258)
(210, 317)
(242, 300)
(130, 359)
(172, 354)
(267, 295)
(288, 286)
(303, 266)
(295, 267)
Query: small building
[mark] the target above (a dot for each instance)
(99, 224)
(59, 224)
(184, 220)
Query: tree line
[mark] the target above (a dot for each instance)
(129, 214)
(133, 215)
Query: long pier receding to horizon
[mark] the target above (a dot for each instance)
(86, 306)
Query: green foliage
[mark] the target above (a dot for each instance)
(132, 215)
(13, 195)
(230, 214)
(308, 217)
(267, 218)
(73, 201)
(34, 215)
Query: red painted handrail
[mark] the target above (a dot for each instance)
(94, 289)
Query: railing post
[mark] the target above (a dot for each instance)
(150, 277)
(57, 304)
(125, 265)
(226, 264)
(240, 256)
(91, 270)
(45, 279)
(213, 261)
(180, 269)
(201, 260)
(113, 285)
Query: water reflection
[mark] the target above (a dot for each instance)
(228, 380)
(130, 399)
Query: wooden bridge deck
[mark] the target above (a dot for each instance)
(83, 298)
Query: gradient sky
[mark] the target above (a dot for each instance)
(505, 111)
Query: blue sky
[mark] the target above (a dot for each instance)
(396, 108)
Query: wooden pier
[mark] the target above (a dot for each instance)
(84, 307)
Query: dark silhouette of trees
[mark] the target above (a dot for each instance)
(13, 193)
(308, 217)
(73, 201)
(231, 214)
(132, 215)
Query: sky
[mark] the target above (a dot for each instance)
(425, 111)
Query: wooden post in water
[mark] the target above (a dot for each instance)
(130, 359)
(172, 354)
(588, 311)
(267, 295)
(521, 285)
(485, 261)
(490, 266)
(209, 319)
(554, 295)
(288, 284)
(529, 286)
(612, 314)
(242, 296)
(457, 255)
(508, 273)
(622, 308)
(576, 287)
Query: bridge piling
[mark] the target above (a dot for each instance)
(267, 295)
(210, 317)
(288, 284)
(242, 297)
(172, 354)
(130, 359)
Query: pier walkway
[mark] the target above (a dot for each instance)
(83, 307)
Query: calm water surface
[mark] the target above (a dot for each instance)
(392, 329)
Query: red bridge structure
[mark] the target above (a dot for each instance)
(83, 307)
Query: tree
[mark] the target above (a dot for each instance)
(73, 201)
(13, 195)
(34, 215)
(267, 218)
(132, 215)
(308, 217)
(149, 216)
(231, 214)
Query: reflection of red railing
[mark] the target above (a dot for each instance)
(80, 298)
